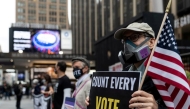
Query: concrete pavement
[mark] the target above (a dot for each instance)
(11, 104)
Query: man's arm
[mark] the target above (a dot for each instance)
(67, 93)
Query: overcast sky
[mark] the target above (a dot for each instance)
(7, 10)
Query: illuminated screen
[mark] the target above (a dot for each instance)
(21, 40)
(46, 41)
(37, 40)
(21, 75)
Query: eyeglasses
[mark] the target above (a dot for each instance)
(133, 37)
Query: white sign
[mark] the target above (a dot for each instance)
(182, 21)
(116, 67)
(66, 39)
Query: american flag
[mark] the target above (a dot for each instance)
(167, 72)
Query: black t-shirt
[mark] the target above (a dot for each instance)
(63, 82)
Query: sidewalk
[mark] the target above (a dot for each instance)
(11, 104)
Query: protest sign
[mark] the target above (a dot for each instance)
(113, 90)
(69, 103)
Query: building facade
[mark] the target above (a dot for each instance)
(53, 12)
(95, 19)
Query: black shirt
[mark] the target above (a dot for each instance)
(63, 83)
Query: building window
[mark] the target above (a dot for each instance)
(42, 18)
(42, 12)
(62, 14)
(21, 4)
(32, 5)
(52, 13)
(62, 20)
(21, 10)
(42, 0)
(42, 5)
(53, 1)
(62, 26)
(52, 19)
(31, 11)
(62, 1)
(62, 8)
(20, 17)
(32, 18)
(52, 7)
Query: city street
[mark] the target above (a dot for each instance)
(10, 104)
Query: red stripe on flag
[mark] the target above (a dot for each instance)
(167, 85)
(168, 58)
(173, 82)
(166, 98)
(160, 87)
(174, 93)
(170, 70)
(182, 101)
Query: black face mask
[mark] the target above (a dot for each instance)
(77, 73)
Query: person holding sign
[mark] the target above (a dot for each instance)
(138, 40)
(81, 68)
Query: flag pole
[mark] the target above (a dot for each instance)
(150, 58)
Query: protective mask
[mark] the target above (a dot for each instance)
(77, 73)
(133, 53)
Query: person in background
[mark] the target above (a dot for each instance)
(47, 91)
(81, 68)
(6, 90)
(18, 93)
(62, 87)
(27, 92)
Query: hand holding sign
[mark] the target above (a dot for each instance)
(142, 99)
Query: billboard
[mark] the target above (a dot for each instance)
(35, 40)
(66, 39)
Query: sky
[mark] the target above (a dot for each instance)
(7, 10)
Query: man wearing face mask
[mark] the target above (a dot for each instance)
(62, 87)
(81, 68)
(138, 40)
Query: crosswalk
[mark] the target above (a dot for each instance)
(26, 103)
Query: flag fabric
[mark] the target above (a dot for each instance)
(167, 72)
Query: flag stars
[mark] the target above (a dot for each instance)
(164, 43)
(170, 34)
(175, 47)
(169, 45)
(167, 41)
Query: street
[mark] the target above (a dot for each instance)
(10, 104)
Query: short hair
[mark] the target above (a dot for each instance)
(62, 66)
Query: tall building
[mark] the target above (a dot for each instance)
(94, 19)
(43, 12)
